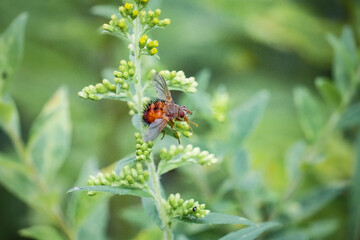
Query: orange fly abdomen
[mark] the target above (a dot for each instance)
(153, 110)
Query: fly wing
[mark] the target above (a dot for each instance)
(161, 87)
(154, 129)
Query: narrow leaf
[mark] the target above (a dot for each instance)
(309, 113)
(50, 136)
(216, 218)
(351, 117)
(104, 10)
(123, 162)
(11, 48)
(14, 177)
(315, 201)
(9, 116)
(247, 116)
(41, 233)
(113, 190)
(240, 165)
(151, 211)
(293, 160)
(251, 232)
(328, 91)
(354, 221)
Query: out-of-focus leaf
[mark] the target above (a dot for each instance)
(14, 177)
(216, 218)
(136, 121)
(105, 11)
(95, 224)
(113, 190)
(240, 165)
(251, 232)
(293, 160)
(322, 229)
(123, 162)
(292, 234)
(328, 91)
(203, 79)
(245, 118)
(50, 136)
(345, 59)
(314, 201)
(41, 233)
(351, 116)
(354, 208)
(9, 116)
(309, 113)
(11, 49)
(151, 211)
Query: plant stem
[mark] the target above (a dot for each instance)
(151, 165)
(54, 213)
(159, 200)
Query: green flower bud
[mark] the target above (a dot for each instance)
(90, 182)
(122, 68)
(82, 94)
(157, 12)
(142, 41)
(150, 14)
(114, 19)
(126, 75)
(146, 175)
(154, 22)
(131, 64)
(122, 11)
(130, 179)
(143, 17)
(139, 168)
(141, 179)
(126, 170)
(125, 86)
(119, 80)
(163, 23)
(123, 26)
(137, 134)
(123, 63)
(131, 72)
(128, 8)
(153, 51)
(138, 152)
(134, 173)
(117, 74)
(100, 88)
(107, 27)
(132, 112)
(91, 193)
(134, 14)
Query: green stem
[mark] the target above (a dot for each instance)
(159, 200)
(54, 213)
(151, 165)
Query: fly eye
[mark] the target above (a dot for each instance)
(181, 113)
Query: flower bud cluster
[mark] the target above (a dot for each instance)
(143, 149)
(96, 92)
(177, 207)
(219, 106)
(128, 177)
(142, 3)
(128, 11)
(189, 154)
(183, 128)
(126, 71)
(116, 25)
(151, 19)
(179, 80)
(148, 46)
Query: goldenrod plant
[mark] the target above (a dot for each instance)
(139, 174)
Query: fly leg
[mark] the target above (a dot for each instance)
(163, 132)
(188, 122)
(176, 134)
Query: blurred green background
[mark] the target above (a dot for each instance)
(247, 45)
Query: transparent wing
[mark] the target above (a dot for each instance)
(161, 87)
(154, 129)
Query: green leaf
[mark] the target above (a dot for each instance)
(14, 177)
(314, 201)
(151, 211)
(240, 165)
(322, 229)
(113, 96)
(251, 232)
(41, 232)
(309, 113)
(104, 10)
(95, 224)
(354, 221)
(247, 116)
(50, 136)
(216, 218)
(11, 48)
(328, 91)
(345, 59)
(293, 160)
(351, 117)
(136, 121)
(123, 162)
(9, 117)
(113, 190)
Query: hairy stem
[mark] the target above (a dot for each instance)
(154, 178)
